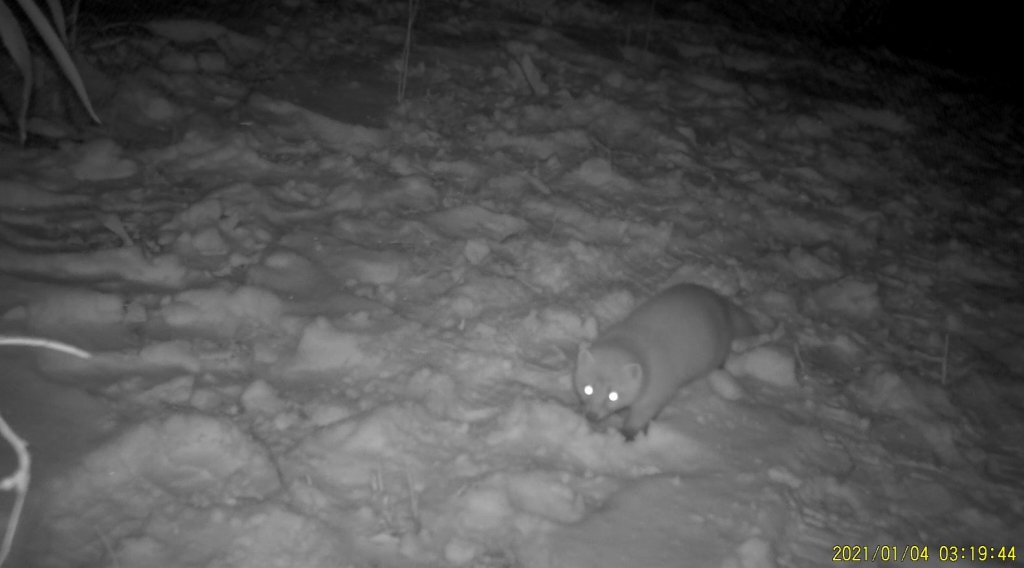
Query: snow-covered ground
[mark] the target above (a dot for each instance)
(330, 330)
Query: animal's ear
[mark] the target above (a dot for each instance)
(584, 358)
(635, 373)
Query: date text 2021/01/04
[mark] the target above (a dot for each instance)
(918, 553)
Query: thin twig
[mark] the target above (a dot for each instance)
(407, 50)
(945, 358)
(20, 479)
(413, 504)
(45, 343)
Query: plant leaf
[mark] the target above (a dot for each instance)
(59, 52)
(57, 13)
(14, 40)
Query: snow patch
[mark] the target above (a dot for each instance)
(220, 313)
(74, 313)
(546, 495)
(351, 139)
(322, 347)
(101, 159)
(146, 481)
(769, 364)
(725, 385)
(753, 553)
(473, 221)
(666, 522)
(128, 265)
(407, 193)
(850, 297)
(261, 398)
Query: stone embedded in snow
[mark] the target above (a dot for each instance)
(598, 172)
(177, 391)
(438, 392)
(259, 397)
(725, 385)
(345, 262)
(845, 349)
(540, 425)
(753, 553)
(221, 312)
(850, 297)
(821, 226)
(808, 266)
(101, 160)
(768, 364)
(324, 348)
(614, 306)
(473, 221)
(396, 442)
(142, 103)
(552, 267)
(353, 139)
(206, 212)
(287, 271)
(412, 193)
(190, 457)
(545, 494)
(476, 250)
(382, 231)
(323, 413)
(775, 301)
(205, 242)
(369, 266)
(177, 354)
(886, 391)
(487, 294)
(460, 551)
(208, 400)
(579, 224)
(482, 510)
(551, 326)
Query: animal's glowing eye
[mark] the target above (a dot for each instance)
(588, 390)
(613, 396)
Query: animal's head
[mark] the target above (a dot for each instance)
(607, 380)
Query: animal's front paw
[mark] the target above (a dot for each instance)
(630, 433)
